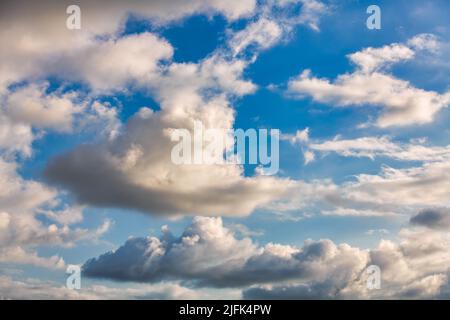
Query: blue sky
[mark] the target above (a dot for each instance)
(342, 195)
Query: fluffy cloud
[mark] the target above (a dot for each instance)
(208, 254)
(403, 104)
(137, 171)
(263, 33)
(37, 41)
(15, 138)
(27, 111)
(31, 105)
(21, 202)
(97, 62)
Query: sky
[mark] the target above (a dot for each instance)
(86, 176)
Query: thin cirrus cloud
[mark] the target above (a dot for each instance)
(376, 147)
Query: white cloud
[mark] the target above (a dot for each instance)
(36, 40)
(97, 63)
(263, 33)
(308, 157)
(372, 59)
(403, 104)
(21, 202)
(31, 105)
(137, 171)
(134, 158)
(15, 137)
(425, 41)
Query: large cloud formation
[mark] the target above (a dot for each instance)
(208, 254)
(134, 170)
(52, 80)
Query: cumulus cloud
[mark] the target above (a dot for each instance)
(97, 62)
(28, 112)
(21, 203)
(15, 138)
(208, 254)
(137, 171)
(37, 41)
(31, 105)
(402, 103)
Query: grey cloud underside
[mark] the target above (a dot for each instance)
(89, 175)
(128, 264)
(85, 172)
(433, 218)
